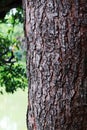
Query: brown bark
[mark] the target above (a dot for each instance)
(56, 33)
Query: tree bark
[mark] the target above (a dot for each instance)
(56, 33)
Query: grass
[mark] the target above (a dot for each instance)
(13, 111)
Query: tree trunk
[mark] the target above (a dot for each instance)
(56, 33)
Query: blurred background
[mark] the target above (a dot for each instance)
(13, 79)
(13, 111)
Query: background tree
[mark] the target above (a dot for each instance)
(5, 6)
(11, 52)
(56, 32)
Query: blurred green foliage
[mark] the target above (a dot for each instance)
(12, 63)
(14, 16)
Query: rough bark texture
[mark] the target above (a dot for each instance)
(56, 32)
